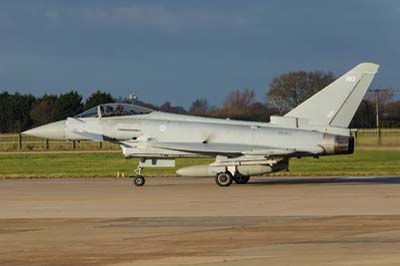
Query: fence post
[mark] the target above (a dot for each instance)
(46, 144)
(379, 136)
(73, 145)
(19, 141)
(355, 135)
(100, 145)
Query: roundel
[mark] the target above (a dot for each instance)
(163, 128)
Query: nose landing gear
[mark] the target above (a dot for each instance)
(139, 179)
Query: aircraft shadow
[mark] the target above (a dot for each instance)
(326, 180)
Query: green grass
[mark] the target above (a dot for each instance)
(360, 163)
(107, 165)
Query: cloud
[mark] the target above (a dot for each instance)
(149, 17)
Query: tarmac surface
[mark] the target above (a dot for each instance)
(184, 221)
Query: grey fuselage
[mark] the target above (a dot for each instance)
(140, 134)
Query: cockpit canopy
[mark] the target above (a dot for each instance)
(114, 109)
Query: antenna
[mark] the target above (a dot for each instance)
(133, 96)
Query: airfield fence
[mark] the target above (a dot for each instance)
(18, 142)
(372, 137)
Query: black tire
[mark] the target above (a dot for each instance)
(139, 181)
(224, 179)
(241, 179)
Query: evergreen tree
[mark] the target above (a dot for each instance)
(97, 98)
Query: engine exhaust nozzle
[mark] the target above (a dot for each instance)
(337, 144)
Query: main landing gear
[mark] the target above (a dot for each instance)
(225, 179)
(241, 179)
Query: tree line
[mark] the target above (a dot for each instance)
(19, 112)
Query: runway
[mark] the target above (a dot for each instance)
(185, 221)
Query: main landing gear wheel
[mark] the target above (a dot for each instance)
(139, 181)
(224, 179)
(241, 179)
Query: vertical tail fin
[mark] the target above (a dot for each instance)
(336, 104)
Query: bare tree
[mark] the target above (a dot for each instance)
(240, 101)
(385, 95)
(169, 108)
(289, 90)
(44, 110)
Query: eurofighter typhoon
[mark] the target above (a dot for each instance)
(316, 127)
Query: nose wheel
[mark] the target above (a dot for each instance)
(139, 181)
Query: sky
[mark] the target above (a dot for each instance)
(178, 51)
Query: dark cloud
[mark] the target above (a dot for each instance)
(179, 50)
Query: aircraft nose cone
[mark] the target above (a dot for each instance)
(54, 130)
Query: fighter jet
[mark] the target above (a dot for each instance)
(316, 127)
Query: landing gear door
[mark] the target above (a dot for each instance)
(157, 162)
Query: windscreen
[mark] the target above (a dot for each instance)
(92, 112)
(122, 109)
(115, 109)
